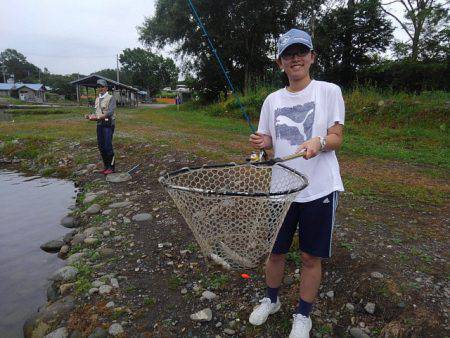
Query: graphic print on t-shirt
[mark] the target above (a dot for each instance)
(294, 124)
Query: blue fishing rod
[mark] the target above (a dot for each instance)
(224, 70)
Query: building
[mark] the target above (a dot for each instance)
(27, 92)
(125, 95)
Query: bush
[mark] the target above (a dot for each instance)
(407, 76)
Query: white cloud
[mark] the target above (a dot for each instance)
(71, 36)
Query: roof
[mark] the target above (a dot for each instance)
(16, 86)
(6, 86)
(142, 92)
(91, 81)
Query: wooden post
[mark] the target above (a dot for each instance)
(78, 94)
(87, 95)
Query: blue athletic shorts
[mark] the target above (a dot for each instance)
(314, 221)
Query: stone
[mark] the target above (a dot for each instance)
(52, 246)
(208, 295)
(97, 283)
(142, 217)
(93, 209)
(64, 250)
(350, 307)
(330, 294)
(77, 239)
(92, 291)
(356, 332)
(99, 332)
(229, 332)
(115, 329)
(106, 212)
(66, 273)
(288, 280)
(35, 327)
(104, 289)
(68, 237)
(76, 334)
(70, 222)
(114, 282)
(59, 308)
(90, 197)
(119, 205)
(90, 240)
(377, 275)
(91, 231)
(110, 305)
(370, 308)
(204, 315)
(184, 291)
(106, 252)
(52, 292)
(118, 177)
(74, 258)
(65, 288)
(58, 333)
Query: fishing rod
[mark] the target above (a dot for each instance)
(224, 70)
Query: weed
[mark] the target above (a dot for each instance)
(294, 257)
(347, 246)
(217, 281)
(174, 282)
(149, 301)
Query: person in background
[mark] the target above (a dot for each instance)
(105, 105)
(306, 116)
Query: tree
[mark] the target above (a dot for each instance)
(109, 73)
(16, 64)
(244, 33)
(426, 22)
(348, 39)
(148, 70)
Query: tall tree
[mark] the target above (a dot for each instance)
(349, 37)
(16, 65)
(243, 31)
(426, 22)
(110, 73)
(148, 70)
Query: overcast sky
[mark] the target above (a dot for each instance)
(70, 36)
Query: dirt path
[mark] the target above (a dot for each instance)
(390, 249)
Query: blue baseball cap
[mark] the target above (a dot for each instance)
(293, 36)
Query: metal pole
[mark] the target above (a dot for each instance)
(117, 67)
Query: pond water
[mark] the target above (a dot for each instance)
(30, 211)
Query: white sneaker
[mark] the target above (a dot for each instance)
(300, 326)
(263, 310)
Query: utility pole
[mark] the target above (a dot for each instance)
(117, 67)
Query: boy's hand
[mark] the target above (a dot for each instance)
(93, 117)
(312, 147)
(260, 141)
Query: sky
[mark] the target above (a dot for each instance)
(69, 36)
(74, 36)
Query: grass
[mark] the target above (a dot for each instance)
(398, 149)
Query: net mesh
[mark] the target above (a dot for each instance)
(235, 211)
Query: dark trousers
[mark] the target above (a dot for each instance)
(104, 140)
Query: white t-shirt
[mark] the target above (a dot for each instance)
(293, 118)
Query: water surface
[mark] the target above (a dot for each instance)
(30, 211)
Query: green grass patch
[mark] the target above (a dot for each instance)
(217, 281)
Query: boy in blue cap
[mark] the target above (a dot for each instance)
(307, 115)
